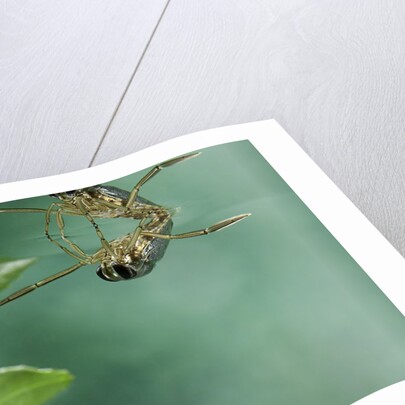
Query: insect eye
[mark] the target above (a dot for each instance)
(101, 274)
(125, 272)
(116, 272)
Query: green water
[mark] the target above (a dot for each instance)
(269, 311)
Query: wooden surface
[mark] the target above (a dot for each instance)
(63, 68)
(83, 83)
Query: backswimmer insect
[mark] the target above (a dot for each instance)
(127, 257)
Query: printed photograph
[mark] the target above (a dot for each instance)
(201, 280)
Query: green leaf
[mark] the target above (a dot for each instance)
(12, 269)
(23, 385)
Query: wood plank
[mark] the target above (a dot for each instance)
(330, 72)
(64, 66)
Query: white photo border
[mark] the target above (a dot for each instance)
(368, 247)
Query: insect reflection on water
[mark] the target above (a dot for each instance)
(127, 257)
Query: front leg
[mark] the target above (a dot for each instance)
(156, 170)
(76, 252)
(104, 243)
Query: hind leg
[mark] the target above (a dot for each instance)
(154, 171)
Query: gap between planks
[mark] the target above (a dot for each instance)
(129, 83)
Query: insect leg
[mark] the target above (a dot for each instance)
(213, 228)
(18, 210)
(154, 171)
(103, 240)
(61, 225)
(48, 214)
(136, 233)
(48, 211)
(41, 283)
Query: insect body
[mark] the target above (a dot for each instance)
(130, 256)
